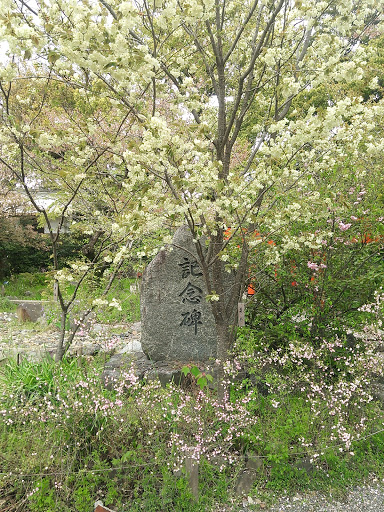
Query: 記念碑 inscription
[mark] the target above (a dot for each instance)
(191, 318)
(177, 321)
(190, 268)
(192, 294)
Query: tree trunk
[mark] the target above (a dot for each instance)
(223, 346)
(59, 354)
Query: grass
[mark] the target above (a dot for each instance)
(129, 302)
(81, 452)
(105, 314)
(65, 441)
(6, 305)
(28, 286)
(39, 286)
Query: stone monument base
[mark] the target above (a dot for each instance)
(144, 369)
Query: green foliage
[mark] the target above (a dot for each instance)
(40, 287)
(111, 445)
(37, 285)
(93, 443)
(70, 247)
(31, 381)
(128, 300)
(309, 399)
(200, 378)
(22, 248)
(43, 500)
(6, 305)
(293, 299)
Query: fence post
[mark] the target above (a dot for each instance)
(241, 314)
(55, 291)
(192, 473)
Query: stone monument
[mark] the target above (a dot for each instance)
(177, 321)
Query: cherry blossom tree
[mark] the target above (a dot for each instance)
(209, 89)
(54, 139)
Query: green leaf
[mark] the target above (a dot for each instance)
(186, 370)
(110, 65)
(209, 377)
(195, 371)
(127, 456)
(53, 57)
(202, 382)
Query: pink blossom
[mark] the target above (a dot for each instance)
(344, 227)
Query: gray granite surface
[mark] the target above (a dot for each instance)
(177, 321)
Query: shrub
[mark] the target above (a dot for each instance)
(123, 446)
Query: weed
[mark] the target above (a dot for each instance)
(6, 305)
(39, 286)
(27, 285)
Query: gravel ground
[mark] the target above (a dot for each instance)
(369, 498)
(34, 345)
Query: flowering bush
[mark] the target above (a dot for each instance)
(66, 441)
(321, 281)
(140, 431)
(332, 382)
(375, 309)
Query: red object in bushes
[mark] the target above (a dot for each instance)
(251, 289)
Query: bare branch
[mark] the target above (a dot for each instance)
(241, 30)
(24, 4)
